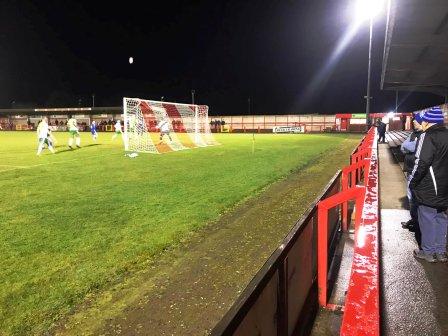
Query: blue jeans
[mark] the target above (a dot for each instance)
(433, 226)
(413, 209)
(413, 205)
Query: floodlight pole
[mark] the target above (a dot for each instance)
(396, 101)
(367, 96)
(253, 125)
(192, 96)
(249, 113)
(368, 75)
(93, 100)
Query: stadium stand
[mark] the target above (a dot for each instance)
(394, 140)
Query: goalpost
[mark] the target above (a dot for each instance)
(188, 126)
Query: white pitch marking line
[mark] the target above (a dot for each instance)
(13, 166)
(51, 163)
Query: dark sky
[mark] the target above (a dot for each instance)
(54, 53)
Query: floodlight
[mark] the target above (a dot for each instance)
(368, 9)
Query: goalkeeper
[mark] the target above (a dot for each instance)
(74, 133)
(164, 127)
(44, 136)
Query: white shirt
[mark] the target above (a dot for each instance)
(117, 126)
(164, 126)
(43, 130)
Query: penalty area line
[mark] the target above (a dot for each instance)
(12, 166)
(53, 163)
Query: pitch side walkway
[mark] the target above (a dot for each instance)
(414, 293)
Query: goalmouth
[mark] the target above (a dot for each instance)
(158, 127)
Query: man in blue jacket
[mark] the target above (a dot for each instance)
(428, 183)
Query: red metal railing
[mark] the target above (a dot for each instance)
(361, 309)
(352, 174)
(356, 193)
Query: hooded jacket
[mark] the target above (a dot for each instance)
(429, 178)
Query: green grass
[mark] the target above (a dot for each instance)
(75, 221)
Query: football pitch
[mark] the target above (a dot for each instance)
(75, 221)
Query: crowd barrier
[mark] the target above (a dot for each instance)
(361, 308)
(362, 303)
(284, 296)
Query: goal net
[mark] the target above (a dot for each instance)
(158, 127)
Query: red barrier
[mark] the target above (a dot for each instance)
(356, 193)
(362, 153)
(350, 173)
(362, 308)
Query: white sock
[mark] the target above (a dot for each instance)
(78, 141)
(70, 142)
(39, 149)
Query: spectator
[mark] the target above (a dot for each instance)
(403, 122)
(381, 131)
(408, 149)
(429, 186)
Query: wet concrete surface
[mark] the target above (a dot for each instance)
(414, 293)
(392, 181)
(328, 323)
(414, 300)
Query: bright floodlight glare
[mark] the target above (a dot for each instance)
(391, 114)
(368, 9)
(131, 60)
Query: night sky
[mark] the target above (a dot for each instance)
(59, 53)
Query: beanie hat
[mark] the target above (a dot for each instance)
(434, 115)
(418, 117)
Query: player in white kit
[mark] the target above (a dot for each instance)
(164, 127)
(43, 134)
